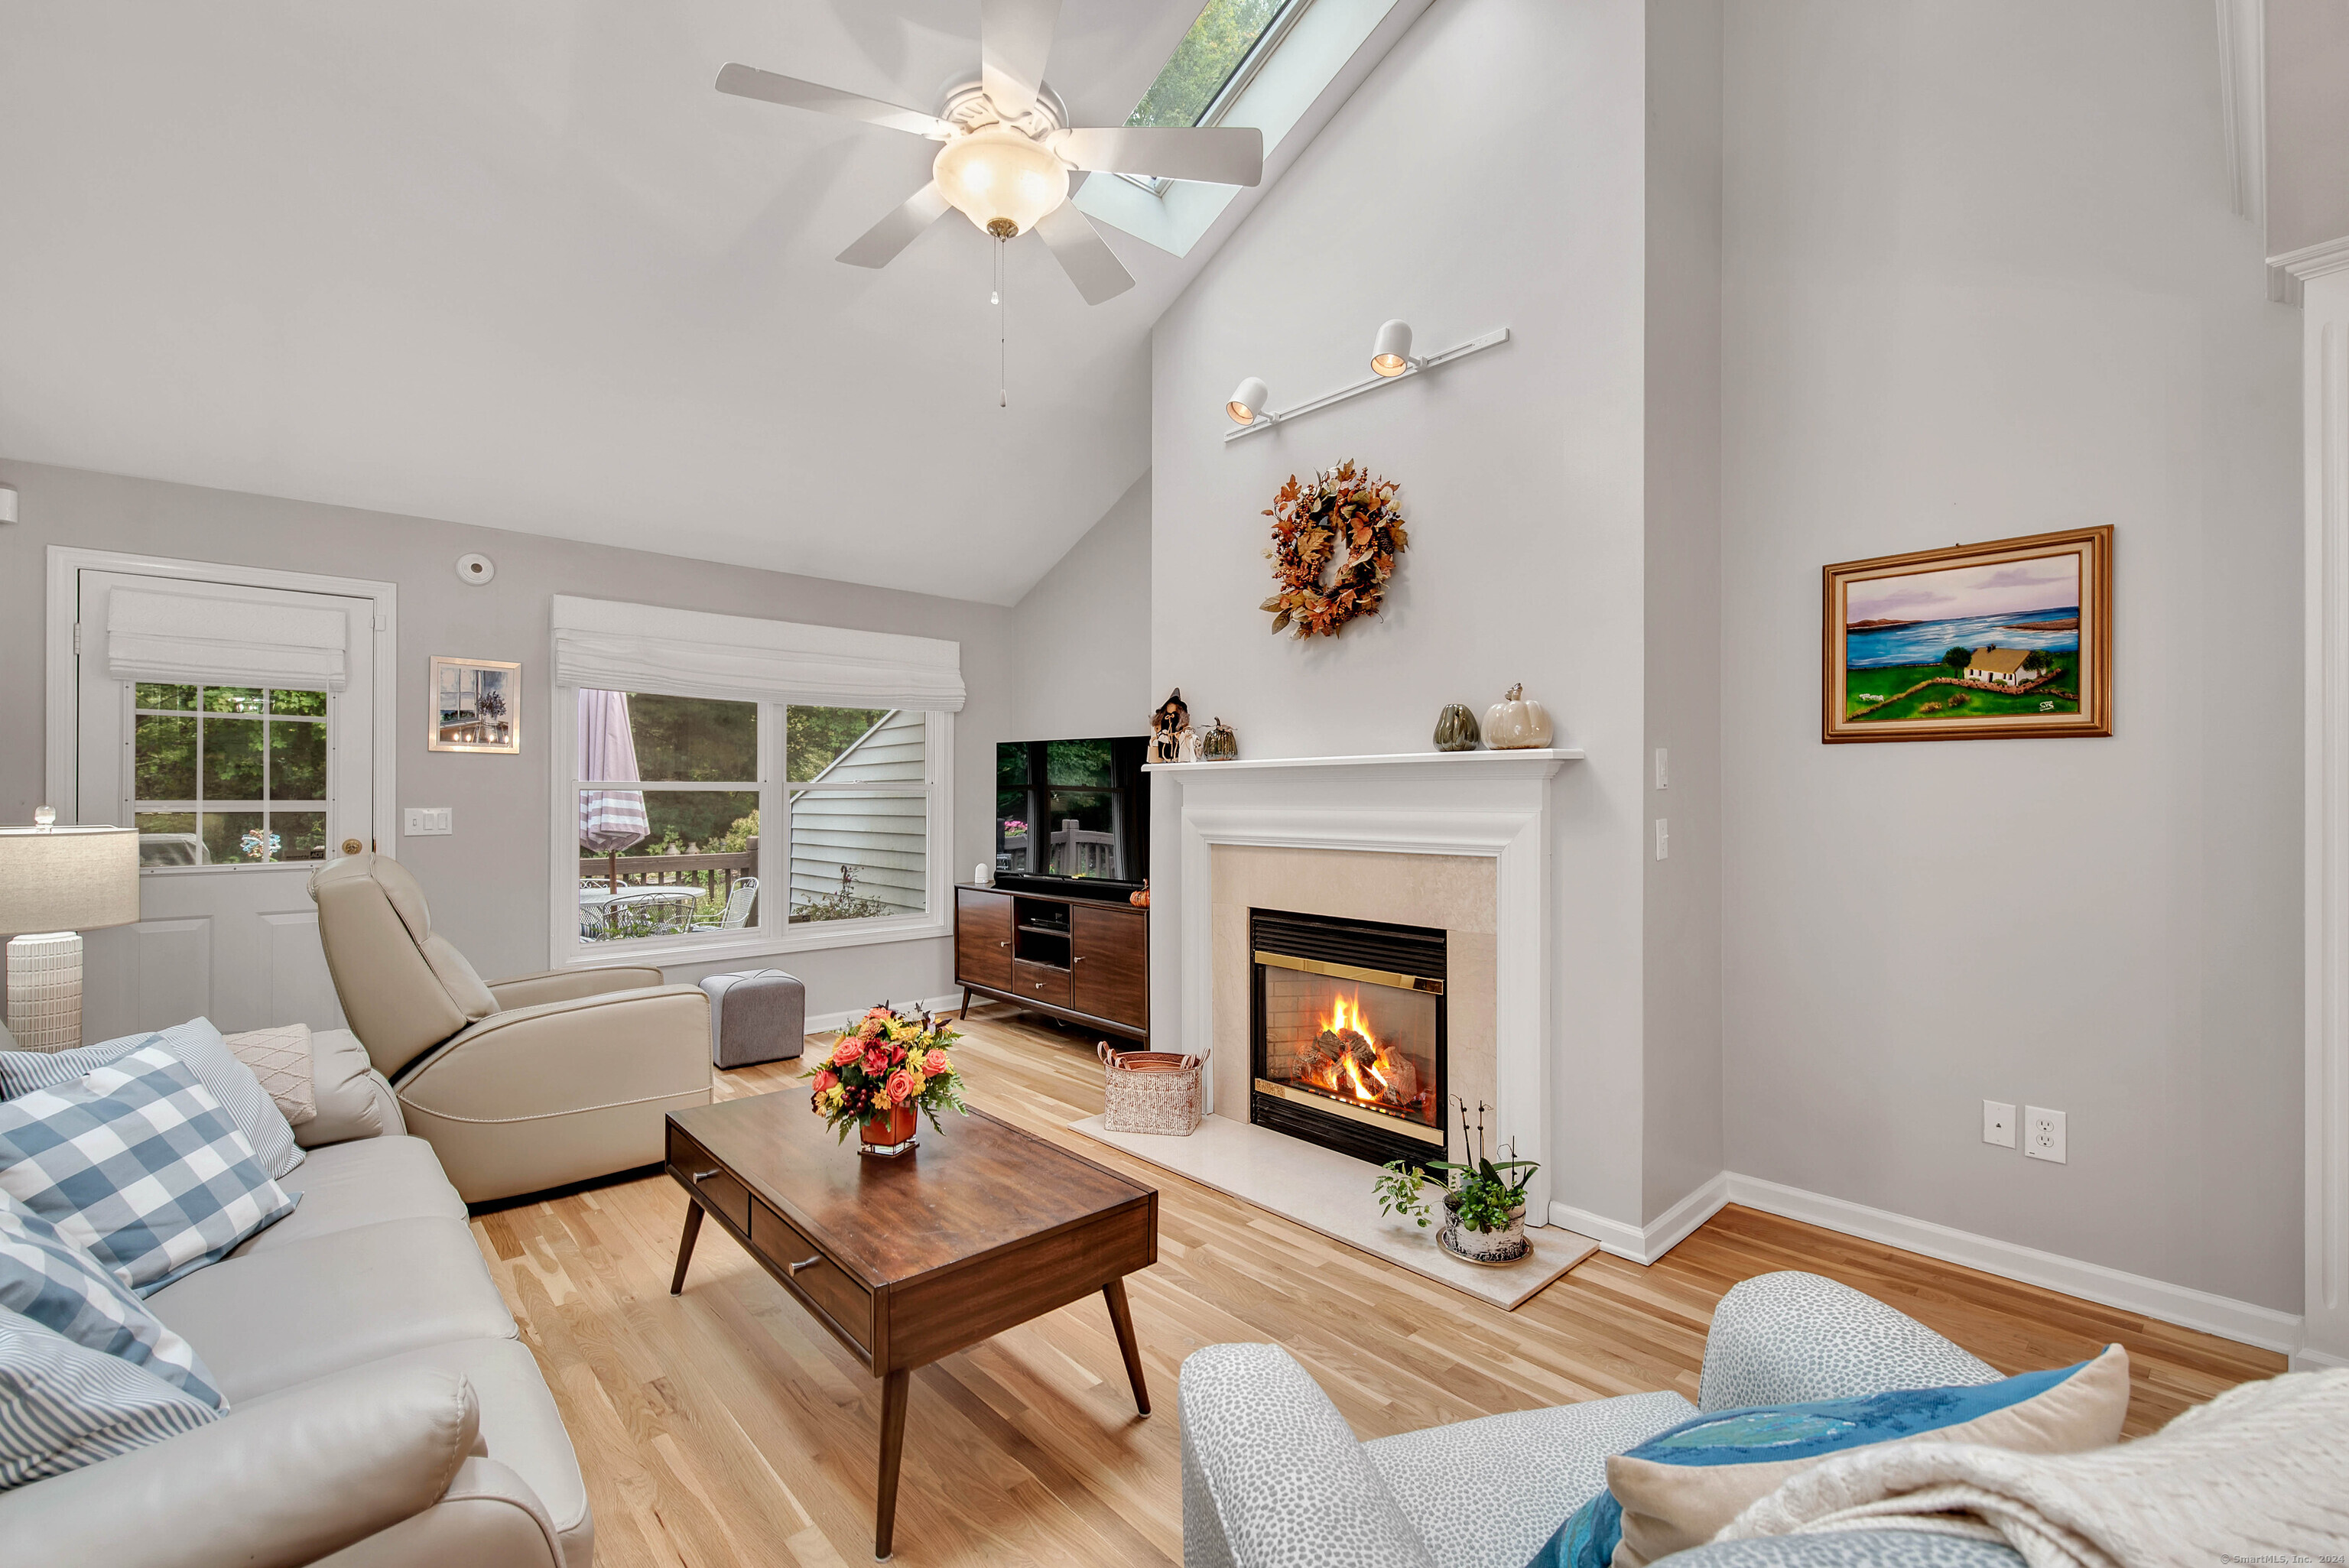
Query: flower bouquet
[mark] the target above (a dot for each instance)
(879, 1072)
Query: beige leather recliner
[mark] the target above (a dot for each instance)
(522, 1084)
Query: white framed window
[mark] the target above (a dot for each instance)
(738, 787)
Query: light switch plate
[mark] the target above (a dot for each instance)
(1998, 1123)
(2043, 1134)
(1663, 768)
(1664, 839)
(427, 821)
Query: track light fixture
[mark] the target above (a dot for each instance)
(1391, 362)
(1248, 401)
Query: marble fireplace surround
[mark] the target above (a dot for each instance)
(1457, 839)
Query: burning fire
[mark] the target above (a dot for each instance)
(1348, 1059)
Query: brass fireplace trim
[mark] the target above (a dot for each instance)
(1384, 1120)
(1351, 971)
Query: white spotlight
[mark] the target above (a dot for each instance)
(1248, 400)
(1390, 355)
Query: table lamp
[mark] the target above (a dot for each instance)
(56, 884)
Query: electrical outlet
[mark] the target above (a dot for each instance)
(427, 821)
(1664, 839)
(1998, 1123)
(1663, 768)
(2043, 1134)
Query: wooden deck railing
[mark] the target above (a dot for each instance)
(712, 874)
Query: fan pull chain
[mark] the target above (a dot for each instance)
(1003, 336)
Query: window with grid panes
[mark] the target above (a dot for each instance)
(225, 776)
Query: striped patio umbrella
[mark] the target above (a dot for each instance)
(609, 820)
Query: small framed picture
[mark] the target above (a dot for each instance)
(2008, 640)
(476, 706)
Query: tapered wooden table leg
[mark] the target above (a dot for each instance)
(894, 1391)
(1122, 1319)
(685, 1245)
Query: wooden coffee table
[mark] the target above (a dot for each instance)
(911, 1259)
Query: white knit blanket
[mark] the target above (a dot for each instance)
(2260, 1473)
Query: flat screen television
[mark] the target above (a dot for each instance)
(1072, 816)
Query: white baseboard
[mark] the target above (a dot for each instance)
(823, 1023)
(2317, 1361)
(2239, 1320)
(1644, 1244)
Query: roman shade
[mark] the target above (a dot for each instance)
(184, 637)
(602, 644)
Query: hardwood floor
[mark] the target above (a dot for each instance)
(724, 1426)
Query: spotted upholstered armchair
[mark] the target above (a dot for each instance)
(1273, 1478)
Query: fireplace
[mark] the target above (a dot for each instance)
(1346, 1027)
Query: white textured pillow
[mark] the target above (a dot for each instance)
(280, 1059)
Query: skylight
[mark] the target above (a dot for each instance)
(1204, 63)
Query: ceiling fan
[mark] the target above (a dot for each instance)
(1009, 150)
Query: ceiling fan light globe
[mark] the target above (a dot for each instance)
(1391, 353)
(997, 176)
(1248, 400)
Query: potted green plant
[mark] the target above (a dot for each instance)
(1483, 1200)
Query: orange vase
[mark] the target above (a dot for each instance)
(891, 1132)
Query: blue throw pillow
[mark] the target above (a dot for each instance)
(139, 1166)
(201, 1048)
(63, 1405)
(1686, 1484)
(47, 1278)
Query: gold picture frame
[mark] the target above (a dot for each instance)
(474, 704)
(1974, 642)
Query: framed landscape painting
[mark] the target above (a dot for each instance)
(2007, 640)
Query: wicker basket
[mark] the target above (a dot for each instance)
(1149, 1091)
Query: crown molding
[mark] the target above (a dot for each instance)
(2288, 272)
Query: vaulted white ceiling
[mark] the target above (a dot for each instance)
(519, 265)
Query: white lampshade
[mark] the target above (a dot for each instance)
(67, 879)
(1000, 179)
(1391, 353)
(1248, 400)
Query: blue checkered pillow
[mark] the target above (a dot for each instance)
(199, 1046)
(47, 1278)
(63, 1405)
(139, 1166)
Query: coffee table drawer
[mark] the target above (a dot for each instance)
(709, 1179)
(825, 1284)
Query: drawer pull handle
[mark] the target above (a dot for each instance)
(1080, 958)
(704, 1175)
(809, 1263)
(1003, 944)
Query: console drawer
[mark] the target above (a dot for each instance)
(827, 1286)
(709, 1178)
(1039, 983)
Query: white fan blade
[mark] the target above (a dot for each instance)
(880, 244)
(746, 81)
(1083, 254)
(1220, 155)
(1015, 39)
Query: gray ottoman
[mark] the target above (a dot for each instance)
(757, 1016)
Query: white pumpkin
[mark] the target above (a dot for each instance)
(1516, 722)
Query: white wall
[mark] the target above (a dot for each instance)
(2307, 122)
(488, 882)
(1487, 173)
(1982, 280)
(1081, 639)
(1680, 1141)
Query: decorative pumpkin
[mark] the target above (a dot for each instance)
(1455, 728)
(1517, 723)
(1218, 744)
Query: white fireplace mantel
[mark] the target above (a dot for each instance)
(1494, 804)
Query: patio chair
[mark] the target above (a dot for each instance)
(738, 907)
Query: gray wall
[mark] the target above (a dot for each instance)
(488, 882)
(1487, 173)
(1982, 280)
(1680, 942)
(2308, 123)
(1081, 639)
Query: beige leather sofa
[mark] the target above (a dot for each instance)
(383, 1414)
(520, 1085)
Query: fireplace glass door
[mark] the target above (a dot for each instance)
(1357, 1044)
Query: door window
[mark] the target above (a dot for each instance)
(226, 776)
